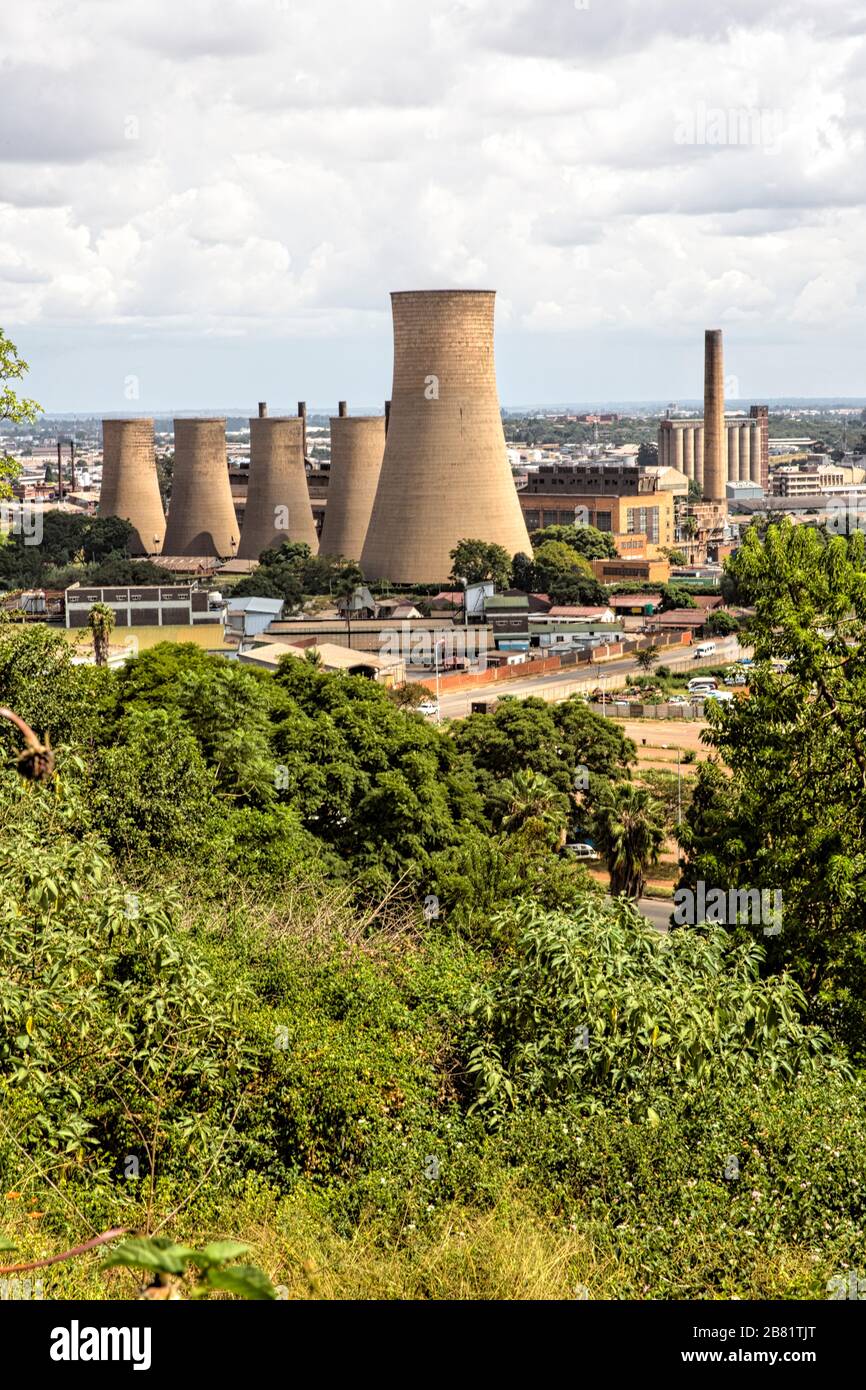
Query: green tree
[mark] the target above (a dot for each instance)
(535, 809)
(476, 561)
(18, 410)
(629, 830)
(647, 657)
(587, 541)
(647, 455)
(100, 620)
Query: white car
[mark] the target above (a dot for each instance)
(678, 700)
(582, 851)
(427, 707)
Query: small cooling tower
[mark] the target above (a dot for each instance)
(130, 488)
(278, 499)
(201, 514)
(357, 445)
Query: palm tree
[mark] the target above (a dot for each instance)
(100, 622)
(629, 831)
(536, 810)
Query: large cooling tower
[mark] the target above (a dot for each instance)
(715, 440)
(445, 474)
(129, 484)
(278, 499)
(357, 445)
(201, 514)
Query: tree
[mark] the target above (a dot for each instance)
(587, 541)
(536, 810)
(722, 624)
(629, 831)
(675, 596)
(647, 455)
(480, 561)
(18, 410)
(100, 621)
(565, 575)
(790, 815)
(648, 656)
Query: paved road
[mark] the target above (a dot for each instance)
(658, 911)
(560, 684)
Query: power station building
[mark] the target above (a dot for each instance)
(445, 474)
(278, 500)
(746, 449)
(130, 488)
(357, 448)
(201, 514)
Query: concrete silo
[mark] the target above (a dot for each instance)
(357, 446)
(445, 475)
(129, 483)
(201, 514)
(278, 499)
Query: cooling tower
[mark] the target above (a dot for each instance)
(278, 499)
(129, 484)
(715, 441)
(357, 445)
(201, 514)
(445, 474)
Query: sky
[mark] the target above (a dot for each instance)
(205, 203)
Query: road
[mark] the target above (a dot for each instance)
(581, 680)
(657, 911)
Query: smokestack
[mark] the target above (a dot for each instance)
(302, 411)
(715, 443)
(445, 474)
(357, 446)
(278, 499)
(387, 415)
(72, 463)
(60, 469)
(130, 488)
(342, 408)
(263, 409)
(201, 516)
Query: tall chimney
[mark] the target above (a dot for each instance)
(342, 409)
(72, 463)
(201, 515)
(302, 411)
(60, 469)
(278, 500)
(263, 409)
(130, 488)
(445, 473)
(715, 443)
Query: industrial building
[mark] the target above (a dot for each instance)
(175, 605)
(746, 448)
(445, 474)
(621, 500)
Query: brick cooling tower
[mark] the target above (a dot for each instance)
(278, 500)
(445, 474)
(201, 514)
(129, 483)
(357, 446)
(715, 439)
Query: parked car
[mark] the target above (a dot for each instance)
(582, 851)
(705, 649)
(735, 678)
(678, 700)
(722, 696)
(701, 683)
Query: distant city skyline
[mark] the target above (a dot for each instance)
(213, 201)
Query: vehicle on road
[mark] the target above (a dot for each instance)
(427, 707)
(582, 851)
(705, 649)
(735, 678)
